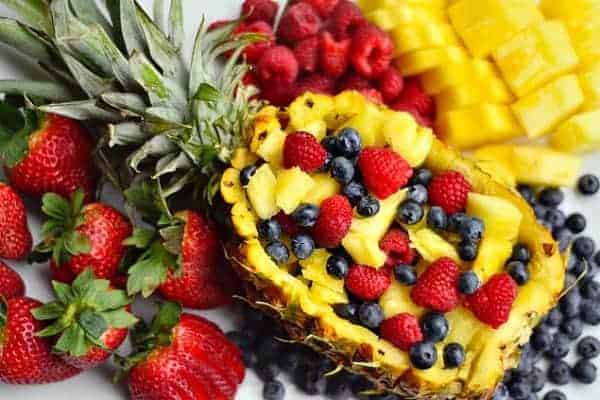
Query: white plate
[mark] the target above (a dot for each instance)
(96, 384)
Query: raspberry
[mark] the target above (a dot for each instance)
(277, 66)
(372, 95)
(390, 84)
(367, 283)
(301, 149)
(346, 19)
(288, 225)
(250, 79)
(218, 24)
(411, 109)
(260, 10)
(279, 95)
(396, 245)
(353, 81)
(299, 22)
(334, 55)
(437, 287)
(335, 218)
(384, 171)
(323, 7)
(307, 54)
(492, 303)
(449, 190)
(403, 330)
(372, 51)
(315, 83)
(414, 97)
(254, 51)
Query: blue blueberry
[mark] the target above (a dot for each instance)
(576, 266)
(519, 272)
(472, 229)
(556, 218)
(337, 266)
(290, 360)
(559, 372)
(521, 253)
(561, 345)
(551, 197)
(342, 170)
(405, 274)
(597, 258)
(501, 393)
(274, 390)
(423, 355)
(250, 358)
(247, 173)
(327, 164)
(573, 328)
(457, 221)
(584, 247)
(564, 237)
(519, 388)
(354, 191)
(370, 315)
(468, 250)
(454, 355)
(410, 213)
(421, 176)
(267, 370)
(243, 340)
(570, 303)
(269, 230)
(435, 327)
(368, 206)
(330, 143)
(590, 289)
(540, 211)
(417, 193)
(349, 143)
(555, 395)
(588, 347)
(469, 283)
(585, 372)
(302, 246)
(339, 387)
(537, 380)
(269, 348)
(437, 218)
(306, 215)
(590, 312)
(588, 184)
(576, 223)
(541, 340)
(278, 252)
(347, 311)
(527, 193)
(554, 318)
(310, 381)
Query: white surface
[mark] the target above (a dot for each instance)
(96, 384)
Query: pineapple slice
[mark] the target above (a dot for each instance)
(231, 187)
(242, 158)
(324, 187)
(430, 245)
(412, 37)
(308, 109)
(292, 187)
(368, 124)
(407, 138)
(580, 133)
(397, 300)
(271, 145)
(473, 71)
(265, 121)
(261, 192)
(244, 220)
(405, 14)
(419, 61)
(346, 105)
(471, 93)
(314, 268)
(498, 172)
(590, 85)
(541, 111)
(327, 295)
(568, 9)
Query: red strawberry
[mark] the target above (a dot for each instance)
(288, 224)
(25, 358)
(390, 84)
(437, 287)
(195, 361)
(55, 157)
(372, 51)
(334, 55)
(384, 171)
(449, 190)
(16, 243)
(367, 283)
(323, 7)
(346, 19)
(334, 221)
(277, 66)
(413, 97)
(260, 10)
(396, 245)
(315, 83)
(354, 81)
(254, 52)
(298, 22)
(301, 149)
(11, 284)
(84, 314)
(493, 302)
(403, 330)
(307, 54)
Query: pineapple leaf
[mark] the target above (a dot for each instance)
(207, 92)
(82, 110)
(34, 12)
(171, 116)
(176, 34)
(130, 102)
(89, 13)
(91, 83)
(126, 134)
(158, 14)
(127, 23)
(48, 90)
(158, 146)
(172, 163)
(25, 40)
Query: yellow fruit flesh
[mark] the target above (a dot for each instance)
(368, 124)
(473, 93)
(397, 300)
(324, 187)
(580, 133)
(419, 61)
(314, 269)
(430, 245)
(412, 141)
(292, 187)
(414, 37)
(590, 85)
(309, 108)
(261, 192)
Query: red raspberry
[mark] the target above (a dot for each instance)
(353, 81)
(299, 22)
(437, 287)
(367, 283)
(218, 24)
(315, 83)
(372, 95)
(493, 302)
(449, 190)
(334, 55)
(279, 95)
(288, 225)
(254, 51)
(277, 66)
(390, 84)
(413, 96)
(260, 10)
(384, 171)
(403, 330)
(250, 79)
(307, 54)
(301, 149)
(335, 218)
(323, 7)
(372, 51)
(396, 245)
(346, 19)
(421, 120)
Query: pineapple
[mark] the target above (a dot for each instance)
(414, 37)
(580, 133)
(419, 61)
(262, 192)
(291, 188)
(589, 80)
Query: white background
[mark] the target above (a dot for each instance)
(96, 384)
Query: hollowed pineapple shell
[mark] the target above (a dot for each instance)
(308, 318)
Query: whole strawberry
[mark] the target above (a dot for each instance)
(449, 190)
(11, 284)
(88, 320)
(26, 358)
(396, 245)
(367, 283)
(333, 223)
(16, 241)
(301, 149)
(403, 330)
(384, 171)
(437, 287)
(182, 356)
(493, 302)
(78, 236)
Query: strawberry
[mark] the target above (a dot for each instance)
(16, 243)
(84, 316)
(26, 358)
(254, 52)
(384, 171)
(301, 149)
(390, 84)
(367, 283)
(403, 330)
(346, 19)
(182, 356)
(372, 51)
(334, 55)
(323, 7)
(11, 284)
(437, 287)
(45, 153)
(78, 236)
(493, 302)
(449, 190)
(315, 83)
(298, 22)
(307, 54)
(396, 245)
(277, 66)
(333, 223)
(260, 10)
(413, 97)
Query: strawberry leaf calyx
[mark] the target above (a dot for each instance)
(16, 126)
(150, 270)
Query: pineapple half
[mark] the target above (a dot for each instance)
(302, 294)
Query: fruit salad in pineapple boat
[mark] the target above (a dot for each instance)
(382, 248)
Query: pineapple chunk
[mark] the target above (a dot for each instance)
(397, 300)
(231, 187)
(406, 137)
(536, 56)
(261, 192)
(368, 124)
(493, 255)
(580, 133)
(362, 241)
(419, 61)
(471, 93)
(271, 147)
(431, 246)
(265, 121)
(292, 186)
(316, 128)
(413, 37)
(314, 268)
(498, 172)
(567, 9)
(308, 108)
(242, 157)
(585, 34)
(501, 217)
(476, 71)
(244, 220)
(487, 367)
(405, 14)
(590, 84)
(324, 187)
(326, 295)
(347, 105)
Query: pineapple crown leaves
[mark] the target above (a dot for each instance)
(16, 125)
(82, 313)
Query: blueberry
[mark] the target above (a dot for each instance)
(457, 221)
(468, 250)
(597, 258)
(564, 237)
(342, 170)
(330, 143)
(584, 247)
(527, 193)
(269, 348)
(435, 327)
(519, 389)
(337, 266)
(559, 372)
(576, 223)
(310, 381)
(417, 193)
(423, 355)
(349, 143)
(588, 347)
(519, 272)
(541, 340)
(267, 370)
(560, 347)
(354, 191)
(540, 211)
(327, 164)
(521, 253)
(278, 252)
(339, 387)
(472, 229)
(370, 315)
(554, 317)
(269, 230)
(241, 339)
(576, 266)
(306, 215)
(551, 197)
(368, 206)
(347, 311)
(585, 372)
(469, 282)
(405, 274)
(569, 304)
(590, 289)
(528, 358)
(556, 218)
(249, 357)
(590, 312)
(555, 395)
(588, 184)
(246, 174)
(454, 355)
(361, 384)
(537, 380)
(573, 328)
(302, 246)
(501, 393)
(410, 213)
(437, 218)
(274, 390)
(421, 177)
(290, 360)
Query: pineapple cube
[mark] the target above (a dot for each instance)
(326, 295)
(585, 34)
(471, 93)
(477, 125)
(501, 217)
(541, 111)
(580, 133)
(406, 137)
(413, 37)
(431, 246)
(498, 172)
(261, 192)
(484, 25)
(308, 108)
(324, 187)
(567, 9)
(419, 61)
(475, 71)
(316, 128)
(590, 84)
(406, 14)
(368, 124)
(292, 186)
(314, 268)
(242, 157)
(492, 257)
(346, 105)
(396, 300)
(270, 146)
(266, 120)
(536, 56)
